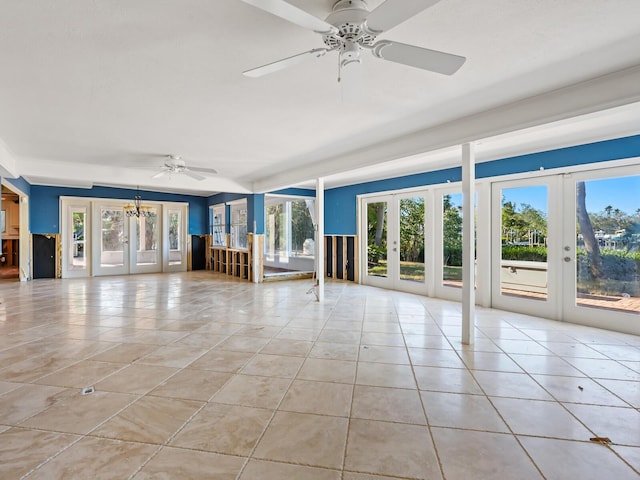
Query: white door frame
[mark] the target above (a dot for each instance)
(392, 281)
(134, 267)
(24, 257)
(365, 278)
(441, 290)
(67, 205)
(93, 235)
(549, 308)
(96, 229)
(167, 208)
(602, 318)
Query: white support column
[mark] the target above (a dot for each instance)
(320, 238)
(468, 243)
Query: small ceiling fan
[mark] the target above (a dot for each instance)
(174, 164)
(352, 28)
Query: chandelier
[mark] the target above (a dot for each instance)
(137, 209)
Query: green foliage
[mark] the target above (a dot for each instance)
(412, 229)
(375, 253)
(377, 223)
(518, 224)
(451, 233)
(612, 219)
(616, 265)
(300, 224)
(525, 253)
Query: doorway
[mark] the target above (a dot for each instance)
(568, 247)
(100, 238)
(14, 257)
(393, 236)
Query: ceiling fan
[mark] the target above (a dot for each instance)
(174, 164)
(352, 28)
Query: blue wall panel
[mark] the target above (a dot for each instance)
(256, 214)
(44, 212)
(605, 151)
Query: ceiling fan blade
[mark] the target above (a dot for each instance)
(203, 170)
(193, 175)
(161, 173)
(293, 14)
(394, 12)
(284, 63)
(418, 57)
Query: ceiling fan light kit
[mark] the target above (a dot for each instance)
(351, 28)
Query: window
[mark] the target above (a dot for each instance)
(289, 233)
(238, 214)
(217, 221)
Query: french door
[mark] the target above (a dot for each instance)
(601, 249)
(527, 245)
(126, 244)
(100, 239)
(568, 247)
(76, 238)
(393, 237)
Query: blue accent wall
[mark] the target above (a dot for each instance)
(341, 203)
(256, 213)
(618, 149)
(44, 206)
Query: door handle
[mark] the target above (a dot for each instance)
(567, 259)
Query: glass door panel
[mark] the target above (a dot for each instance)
(394, 230)
(526, 245)
(146, 254)
(412, 244)
(75, 236)
(377, 255)
(175, 242)
(174, 235)
(77, 256)
(606, 242)
(112, 252)
(523, 235)
(452, 240)
(113, 242)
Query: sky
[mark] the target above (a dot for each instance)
(620, 192)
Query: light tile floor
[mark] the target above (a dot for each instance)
(198, 376)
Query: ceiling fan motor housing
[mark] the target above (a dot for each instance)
(349, 17)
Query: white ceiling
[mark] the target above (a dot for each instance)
(96, 92)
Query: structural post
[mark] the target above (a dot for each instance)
(320, 238)
(468, 243)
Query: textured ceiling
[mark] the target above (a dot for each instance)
(97, 92)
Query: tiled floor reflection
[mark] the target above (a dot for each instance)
(199, 376)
